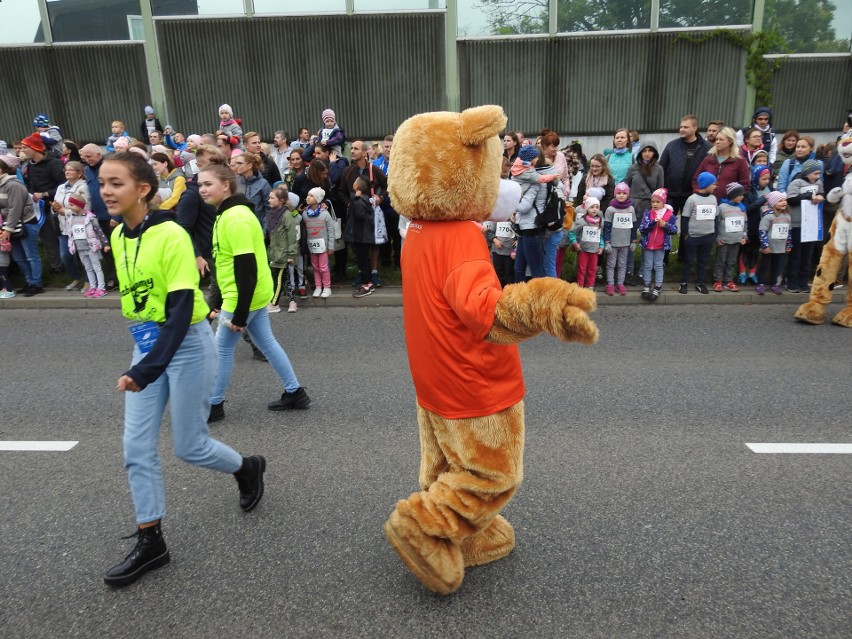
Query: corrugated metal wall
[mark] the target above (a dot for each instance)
(594, 84)
(82, 88)
(280, 73)
(812, 93)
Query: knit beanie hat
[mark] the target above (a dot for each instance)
(317, 193)
(195, 139)
(590, 202)
(121, 144)
(328, 113)
(4, 148)
(76, 201)
(527, 154)
(811, 166)
(705, 179)
(596, 192)
(12, 161)
(149, 110)
(34, 142)
(226, 107)
(663, 194)
(734, 190)
(622, 187)
(41, 120)
(773, 198)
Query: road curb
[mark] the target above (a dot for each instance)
(391, 296)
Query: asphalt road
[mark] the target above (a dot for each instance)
(642, 513)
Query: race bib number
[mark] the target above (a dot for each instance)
(145, 335)
(704, 212)
(622, 221)
(78, 232)
(317, 245)
(734, 224)
(812, 189)
(488, 226)
(591, 234)
(504, 230)
(298, 232)
(780, 231)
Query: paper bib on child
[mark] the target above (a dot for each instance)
(591, 234)
(622, 221)
(317, 245)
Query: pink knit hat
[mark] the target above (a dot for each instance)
(773, 198)
(328, 113)
(622, 187)
(660, 194)
(590, 202)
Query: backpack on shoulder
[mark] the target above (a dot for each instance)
(553, 214)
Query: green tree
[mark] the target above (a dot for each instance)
(805, 25)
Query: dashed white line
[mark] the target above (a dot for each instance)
(798, 448)
(60, 446)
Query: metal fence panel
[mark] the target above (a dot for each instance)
(282, 72)
(812, 94)
(82, 88)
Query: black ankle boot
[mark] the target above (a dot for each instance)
(250, 481)
(150, 553)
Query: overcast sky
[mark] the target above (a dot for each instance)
(20, 18)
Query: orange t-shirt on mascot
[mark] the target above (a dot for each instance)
(449, 295)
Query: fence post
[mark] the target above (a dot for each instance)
(451, 57)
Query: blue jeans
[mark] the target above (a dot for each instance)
(653, 260)
(185, 386)
(260, 331)
(550, 245)
(25, 254)
(68, 260)
(529, 252)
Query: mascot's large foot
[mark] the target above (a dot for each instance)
(490, 544)
(436, 562)
(811, 313)
(844, 317)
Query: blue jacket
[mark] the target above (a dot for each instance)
(789, 170)
(96, 204)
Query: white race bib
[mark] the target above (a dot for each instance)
(78, 231)
(298, 231)
(734, 224)
(591, 234)
(317, 245)
(812, 189)
(622, 221)
(488, 226)
(780, 231)
(504, 230)
(704, 212)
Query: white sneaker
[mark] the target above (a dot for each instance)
(273, 308)
(292, 307)
(326, 292)
(317, 292)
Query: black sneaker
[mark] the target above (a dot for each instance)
(217, 412)
(702, 289)
(149, 553)
(683, 288)
(111, 285)
(33, 290)
(250, 481)
(297, 399)
(646, 294)
(655, 294)
(364, 290)
(258, 355)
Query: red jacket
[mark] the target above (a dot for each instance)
(730, 170)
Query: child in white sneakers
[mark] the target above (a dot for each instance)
(731, 234)
(659, 223)
(619, 238)
(87, 240)
(319, 227)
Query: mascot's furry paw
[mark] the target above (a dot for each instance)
(811, 313)
(494, 542)
(436, 562)
(844, 317)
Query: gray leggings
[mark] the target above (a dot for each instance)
(616, 265)
(92, 263)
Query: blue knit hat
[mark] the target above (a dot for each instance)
(705, 179)
(527, 154)
(756, 171)
(41, 120)
(811, 166)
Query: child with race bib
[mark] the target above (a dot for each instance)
(698, 228)
(659, 223)
(590, 243)
(775, 242)
(319, 227)
(619, 238)
(245, 282)
(731, 234)
(87, 240)
(282, 222)
(173, 364)
(501, 241)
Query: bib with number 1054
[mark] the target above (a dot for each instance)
(622, 221)
(317, 245)
(779, 231)
(705, 212)
(734, 224)
(591, 234)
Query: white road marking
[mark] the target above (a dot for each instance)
(41, 446)
(819, 449)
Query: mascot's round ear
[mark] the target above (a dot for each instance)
(480, 123)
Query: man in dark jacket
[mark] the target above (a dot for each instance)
(679, 160)
(268, 168)
(43, 175)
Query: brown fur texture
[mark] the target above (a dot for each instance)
(446, 167)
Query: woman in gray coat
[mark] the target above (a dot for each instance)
(643, 177)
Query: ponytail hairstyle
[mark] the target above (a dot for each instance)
(223, 174)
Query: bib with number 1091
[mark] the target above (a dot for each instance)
(591, 234)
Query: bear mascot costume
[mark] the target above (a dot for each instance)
(840, 244)
(461, 332)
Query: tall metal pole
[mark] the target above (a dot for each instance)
(756, 27)
(655, 15)
(46, 29)
(152, 60)
(451, 58)
(248, 7)
(553, 17)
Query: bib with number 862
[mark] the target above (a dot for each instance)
(705, 212)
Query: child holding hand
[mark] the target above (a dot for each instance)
(775, 242)
(87, 240)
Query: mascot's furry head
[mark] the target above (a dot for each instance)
(461, 178)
